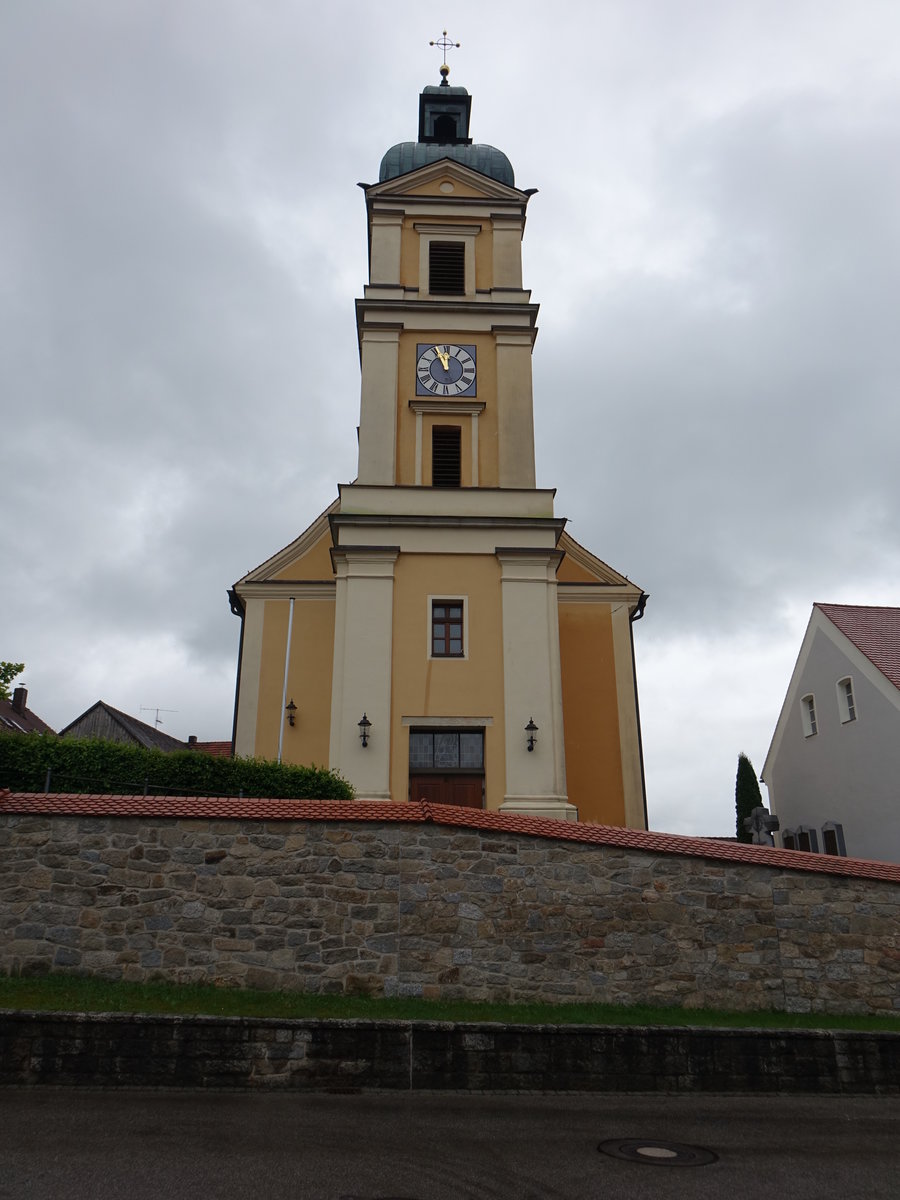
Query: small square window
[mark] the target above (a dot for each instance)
(447, 629)
(846, 700)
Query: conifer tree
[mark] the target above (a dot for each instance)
(746, 796)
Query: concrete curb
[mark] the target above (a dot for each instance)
(126, 1050)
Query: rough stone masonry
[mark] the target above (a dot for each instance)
(412, 899)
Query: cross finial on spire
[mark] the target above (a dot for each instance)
(445, 44)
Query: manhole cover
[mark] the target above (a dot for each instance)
(660, 1154)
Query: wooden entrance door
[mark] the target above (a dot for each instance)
(465, 790)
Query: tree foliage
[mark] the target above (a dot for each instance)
(746, 796)
(8, 672)
(90, 765)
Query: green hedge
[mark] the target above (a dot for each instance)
(89, 765)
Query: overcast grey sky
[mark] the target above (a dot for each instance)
(714, 246)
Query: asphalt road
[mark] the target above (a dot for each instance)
(108, 1145)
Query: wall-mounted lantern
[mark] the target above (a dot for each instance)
(364, 726)
(290, 709)
(531, 729)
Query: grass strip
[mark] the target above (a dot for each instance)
(70, 993)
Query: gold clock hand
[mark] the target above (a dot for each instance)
(444, 357)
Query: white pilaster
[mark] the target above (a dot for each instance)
(629, 733)
(362, 667)
(515, 415)
(507, 251)
(251, 660)
(378, 406)
(384, 265)
(535, 780)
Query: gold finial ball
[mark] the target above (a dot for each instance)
(445, 70)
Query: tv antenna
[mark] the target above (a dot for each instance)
(158, 719)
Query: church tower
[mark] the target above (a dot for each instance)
(438, 632)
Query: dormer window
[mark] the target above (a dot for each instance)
(447, 268)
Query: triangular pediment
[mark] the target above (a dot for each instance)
(801, 681)
(306, 557)
(422, 180)
(580, 566)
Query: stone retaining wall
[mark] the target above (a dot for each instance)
(114, 1050)
(408, 906)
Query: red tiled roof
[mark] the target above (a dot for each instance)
(875, 631)
(217, 807)
(442, 814)
(216, 749)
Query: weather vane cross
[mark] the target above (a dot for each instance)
(445, 44)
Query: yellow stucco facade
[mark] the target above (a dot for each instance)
(439, 595)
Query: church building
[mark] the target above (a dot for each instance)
(435, 633)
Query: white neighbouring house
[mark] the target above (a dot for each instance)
(833, 768)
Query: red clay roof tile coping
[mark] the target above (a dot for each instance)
(418, 812)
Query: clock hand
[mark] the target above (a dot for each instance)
(444, 357)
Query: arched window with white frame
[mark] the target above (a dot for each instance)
(808, 715)
(846, 700)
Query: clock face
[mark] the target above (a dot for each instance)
(443, 369)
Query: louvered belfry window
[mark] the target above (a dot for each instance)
(447, 268)
(446, 456)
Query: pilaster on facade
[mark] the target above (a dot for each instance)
(378, 406)
(515, 413)
(629, 721)
(507, 250)
(362, 667)
(532, 682)
(384, 254)
(251, 663)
